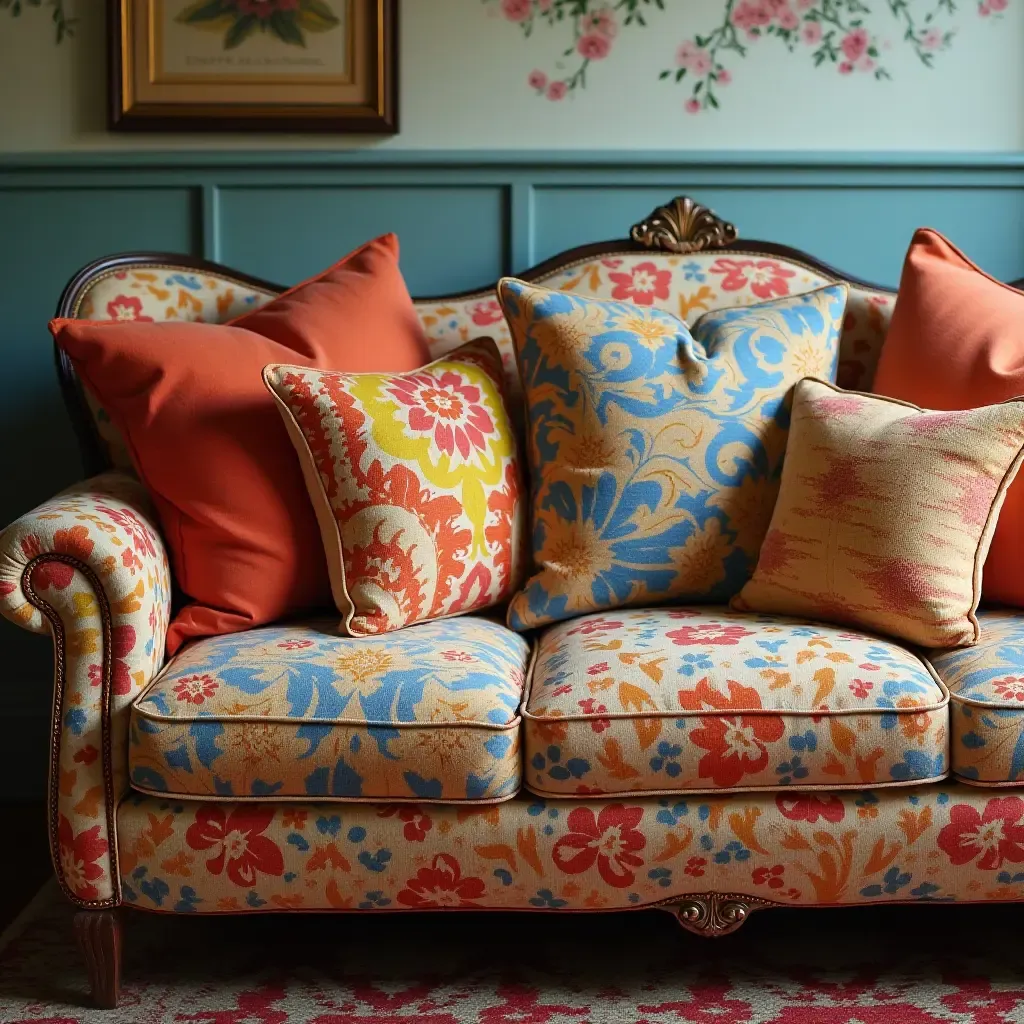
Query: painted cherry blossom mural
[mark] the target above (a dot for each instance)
(851, 37)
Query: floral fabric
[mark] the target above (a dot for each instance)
(416, 482)
(429, 713)
(942, 841)
(694, 285)
(986, 701)
(885, 514)
(689, 699)
(654, 453)
(105, 525)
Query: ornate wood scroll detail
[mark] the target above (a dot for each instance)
(99, 937)
(715, 914)
(683, 226)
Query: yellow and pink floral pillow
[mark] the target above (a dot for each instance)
(885, 514)
(416, 482)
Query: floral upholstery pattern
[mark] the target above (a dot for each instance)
(885, 514)
(986, 701)
(695, 284)
(110, 621)
(417, 485)
(944, 842)
(688, 699)
(655, 454)
(428, 713)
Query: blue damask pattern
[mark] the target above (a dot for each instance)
(655, 453)
(428, 713)
(986, 701)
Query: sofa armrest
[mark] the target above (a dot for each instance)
(89, 567)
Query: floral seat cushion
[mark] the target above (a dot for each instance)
(427, 714)
(986, 701)
(694, 699)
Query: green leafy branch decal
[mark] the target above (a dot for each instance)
(286, 20)
(64, 26)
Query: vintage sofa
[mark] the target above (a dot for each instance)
(290, 769)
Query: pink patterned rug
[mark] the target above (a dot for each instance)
(917, 965)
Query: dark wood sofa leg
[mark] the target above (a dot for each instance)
(99, 937)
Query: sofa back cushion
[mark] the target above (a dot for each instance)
(686, 286)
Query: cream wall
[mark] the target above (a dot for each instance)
(464, 86)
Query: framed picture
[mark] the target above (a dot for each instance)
(254, 65)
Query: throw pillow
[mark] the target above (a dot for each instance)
(885, 514)
(654, 453)
(415, 479)
(207, 441)
(956, 342)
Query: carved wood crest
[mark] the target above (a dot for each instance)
(683, 226)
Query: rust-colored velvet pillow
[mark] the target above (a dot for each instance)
(208, 442)
(957, 342)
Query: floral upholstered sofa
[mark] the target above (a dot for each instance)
(589, 766)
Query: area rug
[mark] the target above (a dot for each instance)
(914, 965)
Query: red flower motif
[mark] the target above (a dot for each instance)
(196, 689)
(594, 46)
(87, 755)
(610, 840)
(122, 643)
(861, 688)
(590, 706)
(735, 745)
(643, 284)
(237, 841)
(695, 867)
(127, 307)
(711, 634)
(74, 542)
(446, 406)
(1010, 687)
(489, 312)
(766, 278)
(78, 857)
(417, 824)
(295, 645)
(809, 807)
(772, 877)
(995, 834)
(441, 885)
(460, 656)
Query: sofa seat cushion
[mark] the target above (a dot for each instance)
(687, 700)
(986, 701)
(428, 713)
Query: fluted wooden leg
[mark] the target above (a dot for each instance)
(99, 937)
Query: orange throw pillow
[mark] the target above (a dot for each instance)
(957, 342)
(208, 442)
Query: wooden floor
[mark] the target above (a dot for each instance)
(24, 857)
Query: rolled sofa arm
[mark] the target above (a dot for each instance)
(89, 567)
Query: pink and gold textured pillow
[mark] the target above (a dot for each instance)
(416, 482)
(885, 514)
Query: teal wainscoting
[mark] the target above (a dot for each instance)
(464, 218)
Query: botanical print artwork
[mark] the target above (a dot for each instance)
(286, 20)
(851, 36)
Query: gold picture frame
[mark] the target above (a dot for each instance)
(254, 65)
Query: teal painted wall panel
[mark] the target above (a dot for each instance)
(863, 231)
(452, 238)
(463, 219)
(45, 236)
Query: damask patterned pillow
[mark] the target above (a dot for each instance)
(655, 453)
(886, 514)
(416, 483)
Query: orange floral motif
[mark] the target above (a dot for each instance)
(735, 745)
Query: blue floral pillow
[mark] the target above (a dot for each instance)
(655, 453)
